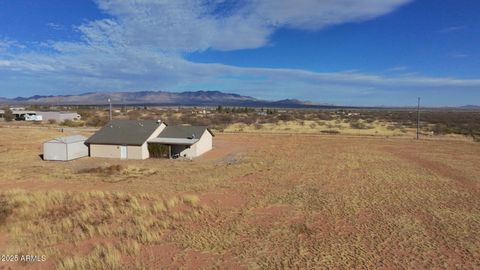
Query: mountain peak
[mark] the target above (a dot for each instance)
(187, 98)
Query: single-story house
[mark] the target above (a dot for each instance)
(65, 148)
(124, 139)
(181, 141)
(59, 116)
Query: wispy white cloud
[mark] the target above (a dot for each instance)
(196, 25)
(397, 69)
(458, 55)
(55, 26)
(9, 44)
(451, 29)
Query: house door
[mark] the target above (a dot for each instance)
(123, 152)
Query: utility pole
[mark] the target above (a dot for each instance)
(110, 103)
(418, 119)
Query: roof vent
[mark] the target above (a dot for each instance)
(193, 136)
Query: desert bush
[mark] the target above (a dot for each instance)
(190, 199)
(96, 121)
(324, 116)
(286, 117)
(108, 170)
(248, 120)
(358, 125)
(5, 209)
(52, 121)
(134, 115)
(86, 113)
(102, 257)
(70, 123)
(8, 115)
(330, 131)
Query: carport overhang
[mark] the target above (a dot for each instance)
(173, 141)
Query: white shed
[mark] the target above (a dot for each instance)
(65, 148)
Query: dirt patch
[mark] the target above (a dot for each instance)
(442, 169)
(270, 215)
(163, 256)
(226, 199)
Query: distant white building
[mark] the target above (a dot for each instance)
(24, 115)
(59, 116)
(33, 117)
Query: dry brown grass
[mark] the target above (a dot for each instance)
(257, 201)
(102, 257)
(108, 170)
(5, 209)
(46, 220)
(359, 127)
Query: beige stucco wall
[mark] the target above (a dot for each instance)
(104, 151)
(204, 145)
(186, 152)
(113, 151)
(136, 152)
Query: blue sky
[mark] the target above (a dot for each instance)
(345, 52)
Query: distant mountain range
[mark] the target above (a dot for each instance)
(164, 98)
(195, 98)
(470, 107)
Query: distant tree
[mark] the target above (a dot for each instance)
(8, 115)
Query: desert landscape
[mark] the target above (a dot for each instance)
(256, 201)
(253, 134)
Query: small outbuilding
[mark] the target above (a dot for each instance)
(65, 148)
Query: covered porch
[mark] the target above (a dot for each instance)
(169, 147)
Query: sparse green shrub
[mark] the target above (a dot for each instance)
(70, 123)
(8, 115)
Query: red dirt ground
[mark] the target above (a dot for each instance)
(293, 201)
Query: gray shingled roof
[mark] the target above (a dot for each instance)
(124, 132)
(183, 132)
